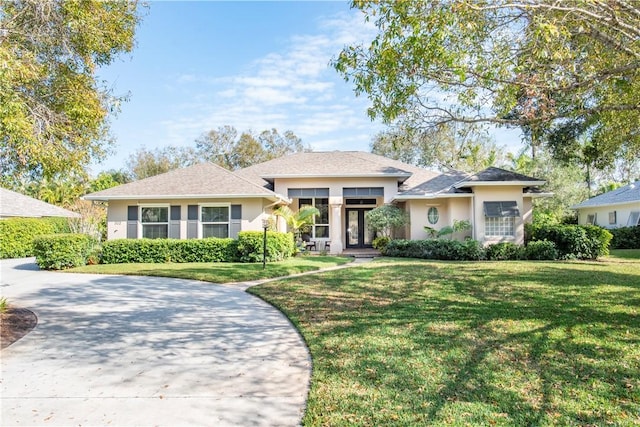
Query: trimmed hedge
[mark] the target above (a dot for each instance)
(251, 246)
(470, 250)
(17, 234)
(572, 241)
(505, 251)
(441, 249)
(248, 248)
(122, 251)
(541, 250)
(60, 251)
(625, 238)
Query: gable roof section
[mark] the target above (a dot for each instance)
(14, 204)
(442, 185)
(496, 176)
(324, 164)
(204, 180)
(458, 184)
(628, 194)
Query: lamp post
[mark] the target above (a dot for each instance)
(265, 225)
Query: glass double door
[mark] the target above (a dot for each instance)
(358, 233)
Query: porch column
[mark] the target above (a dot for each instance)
(336, 226)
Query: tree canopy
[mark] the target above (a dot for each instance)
(144, 162)
(53, 111)
(566, 72)
(224, 147)
(460, 146)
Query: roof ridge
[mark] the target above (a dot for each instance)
(255, 184)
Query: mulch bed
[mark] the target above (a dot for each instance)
(14, 324)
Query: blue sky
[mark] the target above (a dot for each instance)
(200, 65)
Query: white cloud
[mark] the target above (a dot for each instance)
(291, 89)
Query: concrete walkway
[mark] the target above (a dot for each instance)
(147, 351)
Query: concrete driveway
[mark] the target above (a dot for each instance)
(146, 351)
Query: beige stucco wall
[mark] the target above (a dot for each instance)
(450, 209)
(336, 199)
(252, 213)
(602, 214)
(500, 194)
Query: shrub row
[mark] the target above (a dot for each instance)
(441, 249)
(469, 250)
(625, 238)
(572, 241)
(17, 234)
(248, 248)
(536, 250)
(123, 251)
(60, 251)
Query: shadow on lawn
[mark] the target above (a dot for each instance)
(514, 343)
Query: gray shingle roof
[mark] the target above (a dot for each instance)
(336, 164)
(628, 194)
(438, 185)
(207, 180)
(204, 180)
(493, 174)
(14, 204)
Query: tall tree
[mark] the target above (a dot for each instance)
(145, 163)
(222, 146)
(554, 68)
(53, 111)
(460, 146)
(566, 182)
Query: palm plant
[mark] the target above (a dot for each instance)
(297, 221)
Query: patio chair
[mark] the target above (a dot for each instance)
(308, 243)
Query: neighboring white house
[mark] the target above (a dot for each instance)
(18, 205)
(206, 200)
(617, 208)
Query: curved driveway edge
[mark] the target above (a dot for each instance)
(147, 351)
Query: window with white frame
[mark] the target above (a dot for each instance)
(320, 227)
(592, 218)
(634, 219)
(613, 217)
(433, 215)
(215, 221)
(500, 218)
(155, 222)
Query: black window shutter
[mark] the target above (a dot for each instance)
(132, 222)
(235, 225)
(192, 222)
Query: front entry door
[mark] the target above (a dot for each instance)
(358, 234)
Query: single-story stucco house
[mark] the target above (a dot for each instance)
(16, 205)
(206, 200)
(613, 209)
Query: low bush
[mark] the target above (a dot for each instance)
(441, 249)
(541, 250)
(60, 251)
(17, 234)
(625, 238)
(122, 251)
(251, 246)
(572, 241)
(381, 242)
(505, 251)
(248, 248)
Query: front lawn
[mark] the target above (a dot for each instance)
(407, 342)
(626, 253)
(223, 272)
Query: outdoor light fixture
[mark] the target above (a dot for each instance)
(265, 225)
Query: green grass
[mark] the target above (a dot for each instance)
(218, 272)
(407, 342)
(626, 253)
